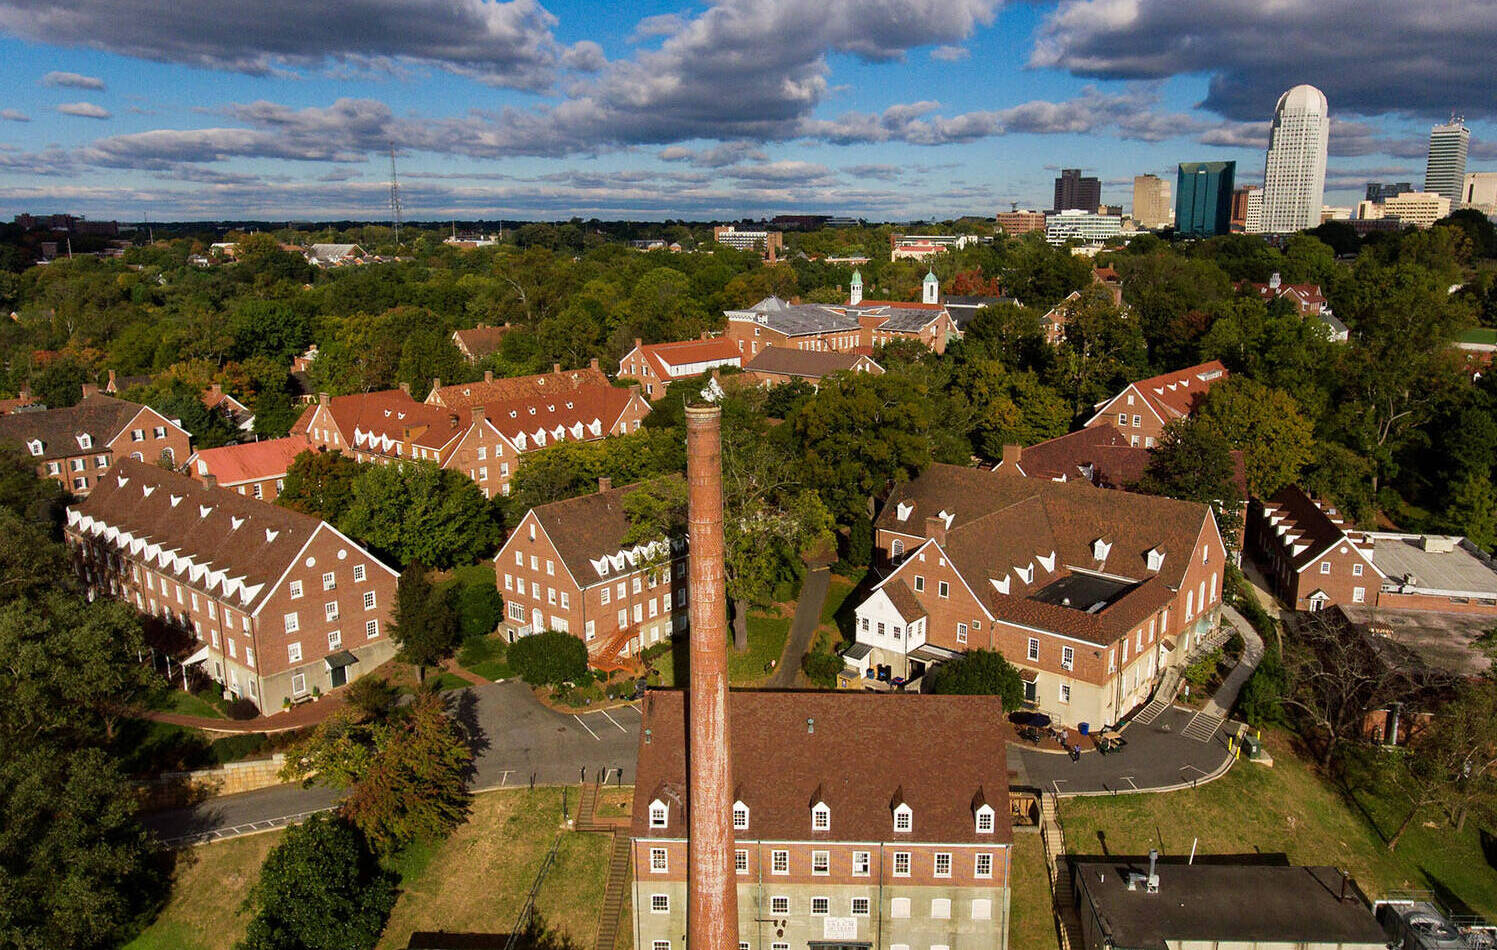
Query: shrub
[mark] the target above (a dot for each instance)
(235, 748)
(545, 659)
(980, 673)
(480, 607)
(860, 541)
(822, 668)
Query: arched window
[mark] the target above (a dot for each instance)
(740, 816)
(821, 817)
(659, 814)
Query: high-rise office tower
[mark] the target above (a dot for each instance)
(1203, 198)
(1252, 215)
(1445, 171)
(1294, 169)
(1151, 201)
(1073, 191)
(1377, 191)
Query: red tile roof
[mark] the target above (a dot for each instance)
(491, 392)
(861, 753)
(575, 410)
(663, 356)
(252, 461)
(481, 340)
(390, 413)
(1177, 394)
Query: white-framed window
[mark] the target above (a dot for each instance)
(516, 612)
(780, 906)
(53, 468)
(779, 862)
(335, 639)
(330, 610)
(371, 629)
(740, 815)
(904, 818)
(659, 864)
(660, 945)
(329, 580)
(1122, 420)
(983, 865)
(821, 862)
(961, 633)
(860, 863)
(1065, 692)
(1034, 648)
(358, 572)
(1356, 570)
(295, 589)
(860, 907)
(293, 651)
(158, 431)
(896, 547)
(249, 658)
(982, 908)
(901, 864)
(369, 600)
(940, 908)
(985, 820)
(80, 483)
(820, 906)
(293, 623)
(943, 589)
(899, 909)
(257, 491)
(1358, 595)
(77, 465)
(604, 596)
(659, 814)
(821, 817)
(660, 903)
(566, 600)
(1067, 658)
(942, 866)
(740, 860)
(298, 683)
(1325, 567)
(137, 435)
(919, 584)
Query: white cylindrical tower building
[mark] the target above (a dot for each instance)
(1294, 171)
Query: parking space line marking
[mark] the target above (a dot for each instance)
(584, 725)
(612, 720)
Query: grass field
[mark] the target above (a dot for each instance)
(475, 880)
(202, 703)
(767, 631)
(1032, 925)
(1288, 808)
(485, 657)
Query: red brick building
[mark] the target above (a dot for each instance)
(779, 364)
(1093, 594)
(279, 602)
(855, 327)
(566, 567)
(657, 365)
(75, 446)
(256, 469)
(482, 440)
(480, 341)
(1142, 409)
(839, 839)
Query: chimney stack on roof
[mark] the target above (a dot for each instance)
(605, 483)
(1011, 454)
(592, 364)
(405, 388)
(555, 367)
(712, 884)
(209, 479)
(638, 342)
(488, 376)
(935, 529)
(90, 389)
(436, 382)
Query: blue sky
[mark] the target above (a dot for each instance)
(887, 109)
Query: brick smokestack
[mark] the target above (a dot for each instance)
(712, 884)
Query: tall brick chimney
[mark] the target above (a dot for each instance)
(712, 884)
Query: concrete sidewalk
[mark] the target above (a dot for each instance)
(1225, 697)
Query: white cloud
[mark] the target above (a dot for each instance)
(73, 80)
(950, 54)
(13, 115)
(86, 110)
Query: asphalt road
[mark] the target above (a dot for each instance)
(802, 627)
(517, 740)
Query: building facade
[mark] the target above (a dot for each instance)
(567, 567)
(1480, 192)
(860, 325)
(75, 446)
(1421, 209)
(1151, 202)
(656, 365)
(1075, 192)
(776, 365)
(1445, 168)
(1088, 227)
(1020, 222)
(1143, 409)
(279, 603)
(1203, 202)
(1093, 594)
(836, 842)
(769, 243)
(1294, 169)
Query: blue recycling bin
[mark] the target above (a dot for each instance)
(1085, 728)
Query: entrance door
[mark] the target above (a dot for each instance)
(1030, 695)
(339, 675)
(537, 620)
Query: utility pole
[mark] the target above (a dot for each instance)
(394, 195)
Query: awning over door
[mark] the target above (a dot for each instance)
(338, 660)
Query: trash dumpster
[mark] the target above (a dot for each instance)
(1252, 745)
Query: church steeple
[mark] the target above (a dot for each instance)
(932, 287)
(855, 295)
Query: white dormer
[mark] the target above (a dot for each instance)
(904, 818)
(821, 817)
(1000, 585)
(740, 816)
(1101, 548)
(1026, 573)
(204, 510)
(270, 535)
(986, 820)
(236, 522)
(35, 447)
(660, 814)
(147, 489)
(1156, 558)
(85, 441)
(902, 510)
(175, 500)
(946, 516)
(1048, 563)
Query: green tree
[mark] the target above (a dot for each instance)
(319, 484)
(980, 673)
(60, 383)
(1267, 426)
(1473, 511)
(319, 889)
(424, 623)
(416, 511)
(1193, 462)
(548, 658)
(480, 607)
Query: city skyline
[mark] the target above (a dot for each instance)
(514, 109)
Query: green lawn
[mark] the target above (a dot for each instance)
(767, 631)
(1032, 916)
(207, 703)
(485, 657)
(1288, 808)
(474, 880)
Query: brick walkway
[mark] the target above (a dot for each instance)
(305, 714)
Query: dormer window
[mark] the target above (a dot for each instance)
(821, 817)
(34, 446)
(659, 814)
(740, 816)
(985, 820)
(85, 441)
(904, 818)
(1101, 548)
(1156, 558)
(902, 510)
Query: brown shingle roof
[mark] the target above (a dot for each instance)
(491, 392)
(391, 412)
(99, 416)
(582, 405)
(586, 528)
(810, 364)
(217, 528)
(1319, 529)
(936, 751)
(1177, 394)
(481, 340)
(1105, 451)
(904, 601)
(663, 356)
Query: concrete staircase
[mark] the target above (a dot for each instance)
(1053, 836)
(1202, 726)
(1163, 697)
(612, 914)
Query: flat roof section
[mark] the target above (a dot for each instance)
(1459, 569)
(1081, 591)
(1441, 641)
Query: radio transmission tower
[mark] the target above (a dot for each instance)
(394, 195)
